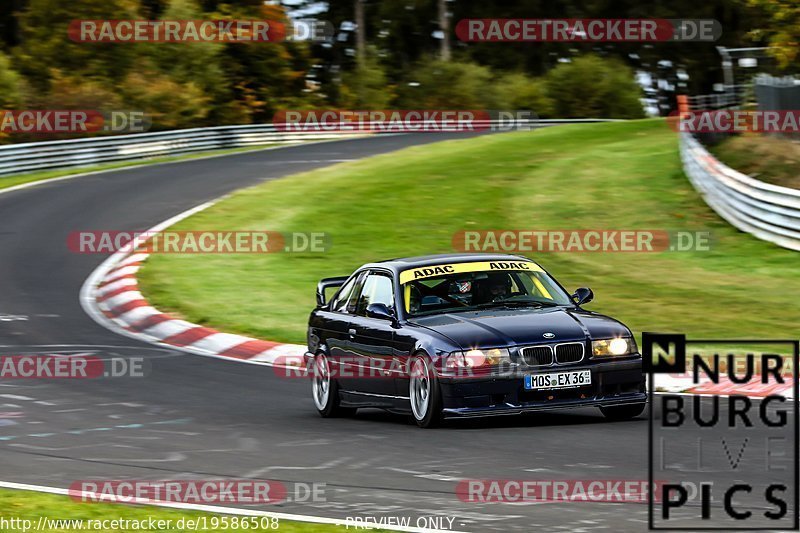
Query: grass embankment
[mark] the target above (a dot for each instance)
(764, 157)
(611, 176)
(62, 514)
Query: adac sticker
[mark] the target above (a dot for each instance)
(457, 268)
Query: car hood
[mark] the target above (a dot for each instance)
(512, 327)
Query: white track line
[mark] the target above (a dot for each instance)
(214, 509)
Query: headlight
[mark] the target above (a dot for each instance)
(614, 347)
(478, 358)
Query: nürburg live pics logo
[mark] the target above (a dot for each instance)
(723, 433)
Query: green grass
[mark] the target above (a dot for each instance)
(611, 176)
(765, 157)
(19, 179)
(32, 505)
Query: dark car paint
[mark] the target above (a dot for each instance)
(365, 341)
(499, 327)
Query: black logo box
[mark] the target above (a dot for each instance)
(666, 342)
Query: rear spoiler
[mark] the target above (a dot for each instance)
(326, 284)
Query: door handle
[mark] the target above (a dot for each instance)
(351, 332)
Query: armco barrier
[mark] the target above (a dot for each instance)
(50, 155)
(28, 157)
(766, 211)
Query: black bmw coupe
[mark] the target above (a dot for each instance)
(466, 335)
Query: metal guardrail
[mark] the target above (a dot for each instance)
(766, 211)
(52, 155)
(706, 102)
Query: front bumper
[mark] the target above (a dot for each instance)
(613, 383)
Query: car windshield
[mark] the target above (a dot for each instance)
(472, 286)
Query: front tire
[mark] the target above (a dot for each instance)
(325, 390)
(623, 412)
(424, 393)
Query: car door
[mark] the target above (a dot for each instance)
(339, 331)
(373, 343)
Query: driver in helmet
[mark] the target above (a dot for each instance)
(496, 287)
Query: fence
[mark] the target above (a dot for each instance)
(706, 102)
(51, 155)
(777, 93)
(767, 211)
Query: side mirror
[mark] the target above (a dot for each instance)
(328, 283)
(584, 295)
(380, 311)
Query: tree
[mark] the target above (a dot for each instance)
(195, 67)
(594, 87)
(444, 27)
(783, 33)
(9, 84)
(366, 86)
(45, 45)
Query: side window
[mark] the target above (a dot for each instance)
(352, 300)
(339, 304)
(377, 289)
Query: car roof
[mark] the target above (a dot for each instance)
(404, 263)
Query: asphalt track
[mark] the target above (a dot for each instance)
(198, 417)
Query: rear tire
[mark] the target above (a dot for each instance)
(424, 393)
(325, 390)
(623, 412)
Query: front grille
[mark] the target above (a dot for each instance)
(537, 355)
(571, 352)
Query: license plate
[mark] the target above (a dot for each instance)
(558, 380)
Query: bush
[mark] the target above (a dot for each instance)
(449, 85)
(168, 103)
(68, 91)
(517, 91)
(366, 86)
(594, 87)
(9, 90)
(9, 84)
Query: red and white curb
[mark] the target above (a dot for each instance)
(111, 296)
(117, 296)
(684, 383)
